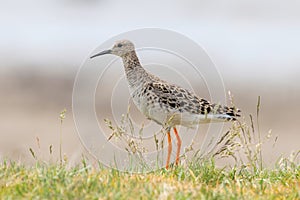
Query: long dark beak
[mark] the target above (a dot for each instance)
(101, 53)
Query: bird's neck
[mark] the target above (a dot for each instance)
(135, 73)
(131, 61)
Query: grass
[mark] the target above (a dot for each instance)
(196, 181)
(197, 178)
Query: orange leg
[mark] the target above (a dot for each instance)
(178, 145)
(169, 150)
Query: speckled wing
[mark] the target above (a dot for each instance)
(176, 99)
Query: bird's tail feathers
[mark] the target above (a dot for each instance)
(226, 113)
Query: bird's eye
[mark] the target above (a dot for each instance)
(120, 45)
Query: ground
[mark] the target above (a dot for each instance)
(195, 181)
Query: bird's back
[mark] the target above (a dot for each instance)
(162, 102)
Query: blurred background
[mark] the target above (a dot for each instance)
(254, 44)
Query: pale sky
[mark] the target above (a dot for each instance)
(241, 37)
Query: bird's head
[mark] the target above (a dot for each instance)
(120, 48)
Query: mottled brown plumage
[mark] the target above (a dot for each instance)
(165, 103)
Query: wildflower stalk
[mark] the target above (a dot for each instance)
(62, 116)
(259, 136)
